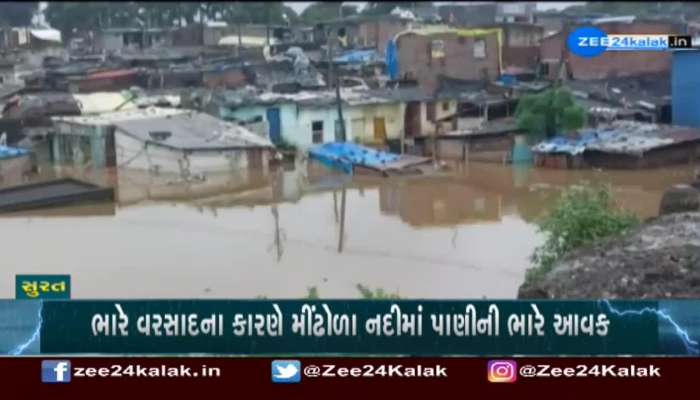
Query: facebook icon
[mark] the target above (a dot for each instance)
(55, 371)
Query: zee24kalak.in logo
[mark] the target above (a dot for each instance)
(55, 371)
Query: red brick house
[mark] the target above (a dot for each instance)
(429, 53)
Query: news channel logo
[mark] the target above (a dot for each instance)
(591, 41)
(55, 371)
(502, 371)
(286, 371)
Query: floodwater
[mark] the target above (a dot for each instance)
(465, 235)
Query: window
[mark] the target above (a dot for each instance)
(430, 111)
(338, 131)
(317, 132)
(445, 106)
(479, 48)
(437, 49)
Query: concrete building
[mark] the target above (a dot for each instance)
(115, 39)
(170, 141)
(523, 12)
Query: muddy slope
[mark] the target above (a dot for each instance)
(660, 259)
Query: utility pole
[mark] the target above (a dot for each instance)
(562, 57)
(341, 237)
(267, 24)
(335, 77)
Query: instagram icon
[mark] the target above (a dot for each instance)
(502, 371)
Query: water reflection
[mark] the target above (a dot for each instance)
(279, 231)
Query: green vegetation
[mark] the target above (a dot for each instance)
(312, 293)
(580, 217)
(549, 113)
(67, 16)
(378, 294)
(367, 293)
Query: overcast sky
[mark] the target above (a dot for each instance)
(299, 6)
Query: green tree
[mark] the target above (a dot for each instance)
(18, 13)
(583, 215)
(549, 112)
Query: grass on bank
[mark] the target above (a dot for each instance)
(583, 215)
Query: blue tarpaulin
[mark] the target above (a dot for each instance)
(357, 57)
(392, 62)
(9, 152)
(344, 155)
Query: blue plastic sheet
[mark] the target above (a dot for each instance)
(344, 155)
(392, 61)
(9, 152)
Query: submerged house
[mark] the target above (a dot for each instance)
(307, 118)
(166, 141)
(621, 145)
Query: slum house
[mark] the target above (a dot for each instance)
(426, 54)
(117, 39)
(167, 141)
(644, 97)
(468, 15)
(34, 44)
(685, 88)
(118, 79)
(362, 32)
(612, 63)
(516, 12)
(521, 49)
(285, 76)
(361, 69)
(263, 36)
(621, 145)
(308, 118)
(195, 35)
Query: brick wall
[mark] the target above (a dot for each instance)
(459, 61)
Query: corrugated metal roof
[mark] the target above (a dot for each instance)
(51, 35)
(111, 118)
(192, 131)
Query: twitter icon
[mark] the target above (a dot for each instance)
(286, 371)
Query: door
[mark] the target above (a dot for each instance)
(275, 126)
(358, 128)
(412, 119)
(379, 129)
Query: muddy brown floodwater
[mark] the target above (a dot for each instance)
(467, 235)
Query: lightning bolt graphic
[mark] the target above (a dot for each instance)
(691, 346)
(23, 346)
